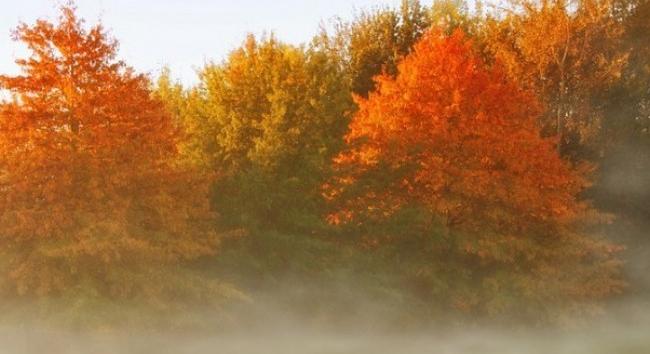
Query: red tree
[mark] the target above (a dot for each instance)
(92, 198)
(459, 139)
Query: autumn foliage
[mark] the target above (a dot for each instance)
(538, 46)
(268, 121)
(418, 174)
(91, 198)
(458, 138)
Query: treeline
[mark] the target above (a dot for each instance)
(424, 163)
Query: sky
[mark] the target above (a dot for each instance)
(181, 34)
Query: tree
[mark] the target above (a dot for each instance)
(623, 186)
(568, 53)
(268, 120)
(628, 103)
(449, 15)
(92, 200)
(458, 139)
(375, 41)
(172, 94)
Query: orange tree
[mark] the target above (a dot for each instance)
(447, 157)
(92, 198)
(570, 54)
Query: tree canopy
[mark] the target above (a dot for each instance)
(461, 140)
(431, 162)
(93, 199)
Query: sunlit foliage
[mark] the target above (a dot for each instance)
(92, 200)
(461, 140)
(567, 52)
(268, 120)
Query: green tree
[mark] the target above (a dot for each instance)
(449, 15)
(268, 120)
(623, 186)
(375, 41)
(628, 111)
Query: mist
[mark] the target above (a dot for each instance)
(626, 333)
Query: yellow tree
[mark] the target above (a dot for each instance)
(268, 119)
(566, 51)
(92, 199)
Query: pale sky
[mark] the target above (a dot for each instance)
(181, 34)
